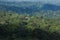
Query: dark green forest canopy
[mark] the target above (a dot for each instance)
(24, 25)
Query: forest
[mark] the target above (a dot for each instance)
(14, 26)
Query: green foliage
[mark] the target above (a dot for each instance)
(15, 26)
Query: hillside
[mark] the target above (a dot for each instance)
(24, 27)
(29, 21)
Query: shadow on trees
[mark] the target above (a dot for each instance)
(22, 32)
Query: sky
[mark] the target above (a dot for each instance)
(43, 1)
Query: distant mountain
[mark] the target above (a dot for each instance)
(50, 7)
(28, 7)
(21, 7)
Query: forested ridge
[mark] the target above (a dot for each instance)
(15, 26)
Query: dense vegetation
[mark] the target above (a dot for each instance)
(15, 26)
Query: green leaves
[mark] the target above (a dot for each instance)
(25, 25)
